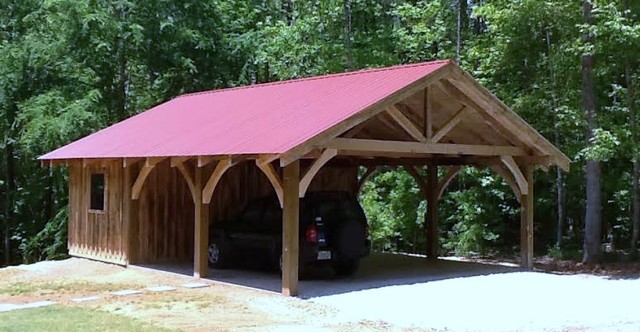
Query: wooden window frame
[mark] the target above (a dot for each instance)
(104, 173)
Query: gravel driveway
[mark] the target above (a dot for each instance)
(389, 292)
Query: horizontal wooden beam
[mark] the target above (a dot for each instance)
(425, 148)
(175, 161)
(152, 161)
(128, 162)
(267, 158)
(205, 160)
(405, 123)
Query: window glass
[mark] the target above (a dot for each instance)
(98, 187)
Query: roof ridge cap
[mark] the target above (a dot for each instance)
(313, 78)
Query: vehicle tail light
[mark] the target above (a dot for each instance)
(311, 235)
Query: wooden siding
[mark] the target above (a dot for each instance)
(96, 235)
(162, 228)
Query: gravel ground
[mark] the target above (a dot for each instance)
(389, 293)
(512, 301)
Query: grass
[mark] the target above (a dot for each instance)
(60, 318)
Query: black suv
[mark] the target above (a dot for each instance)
(333, 230)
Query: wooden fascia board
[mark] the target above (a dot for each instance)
(560, 159)
(405, 123)
(422, 148)
(343, 126)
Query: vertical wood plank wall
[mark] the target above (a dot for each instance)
(163, 231)
(96, 235)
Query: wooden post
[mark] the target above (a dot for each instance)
(201, 236)
(290, 229)
(130, 217)
(432, 212)
(526, 222)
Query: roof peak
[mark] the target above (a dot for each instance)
(319, 77)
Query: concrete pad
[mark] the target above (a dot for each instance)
(195, 285)
(160, 288)
(126, 292)
(85, 299)
(37, 304)
(4, 307)
(8, 307)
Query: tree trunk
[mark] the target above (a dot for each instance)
(631, 95)
(593, 220)
(348, 36)
(9, 186)
(560, 192)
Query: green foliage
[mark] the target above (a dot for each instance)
(70, 67)
(50, 243)
(395, 210)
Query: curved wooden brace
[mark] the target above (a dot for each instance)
(189, 177)
(207, 192)
(146, 169)
(451, 174)
(419, 180)
(367, 174)
(508, 178)
(512, 166)
(326, 155)
(276, 182)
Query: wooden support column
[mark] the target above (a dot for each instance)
(432, 212)
(526, 221)
(130, 217)
(290, 227)
(201, 236)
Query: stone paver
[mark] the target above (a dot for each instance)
(195, 285)
(85, 299)
(126, 292)
(4, 307)
(160, 288)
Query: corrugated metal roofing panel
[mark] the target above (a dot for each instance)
(257, 119)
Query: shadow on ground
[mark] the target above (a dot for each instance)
(376, 271)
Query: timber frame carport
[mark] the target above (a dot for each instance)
(430, 115)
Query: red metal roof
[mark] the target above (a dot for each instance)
(257, 119)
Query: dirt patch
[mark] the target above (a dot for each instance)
(219, 307)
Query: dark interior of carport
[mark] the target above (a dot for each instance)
(159, 208)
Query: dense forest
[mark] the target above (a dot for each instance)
(568, 67)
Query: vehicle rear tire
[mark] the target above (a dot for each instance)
(217, 256)
(347, 267)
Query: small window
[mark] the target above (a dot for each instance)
(98, 189)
